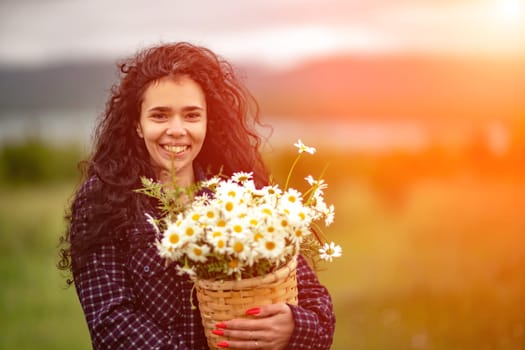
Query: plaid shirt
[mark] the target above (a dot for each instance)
(135, 301)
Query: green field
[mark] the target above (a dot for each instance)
(441, 267)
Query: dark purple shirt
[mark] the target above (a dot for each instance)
(132, 300)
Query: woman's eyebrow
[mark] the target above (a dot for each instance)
(160, 109)
(192, 108)
(169, 109)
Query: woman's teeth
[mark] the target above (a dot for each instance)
(175, 149)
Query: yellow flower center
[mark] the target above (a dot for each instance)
(195, 217)
(190, 231)
(197, 251)
(270, 245)
(229, 206)
(237, 228)
(238, 247)
(174, 238)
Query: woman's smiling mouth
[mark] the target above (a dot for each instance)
(176, 148)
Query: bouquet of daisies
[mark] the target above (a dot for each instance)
(233, 230)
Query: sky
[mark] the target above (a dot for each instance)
(274, 32)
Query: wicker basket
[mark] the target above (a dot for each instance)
(225, 300)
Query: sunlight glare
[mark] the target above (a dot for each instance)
(511, 9)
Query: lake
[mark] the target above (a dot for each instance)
(75, 126)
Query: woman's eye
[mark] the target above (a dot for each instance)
(158, 116)
(193, 116)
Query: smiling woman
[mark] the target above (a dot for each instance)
(178, 108)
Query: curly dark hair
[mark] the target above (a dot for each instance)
(119, 157)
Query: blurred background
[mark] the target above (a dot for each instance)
(416, 107)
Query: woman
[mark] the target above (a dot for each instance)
(180, 106)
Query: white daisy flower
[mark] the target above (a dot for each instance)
(268, 194)
(330, 216)
(198, 252)
(271, 227)
(310, 179)
(283, 222)
(318, 185)
(257, 235)
(189, 231)
(234, 267)
(238, 228)
(298, 234)
(266, 211)
(320, 208)
(210, 216)
(172, 236)
(185, 270)
(211, 183)
(230, 207)
(195, 216)
(299, 215)
(253, 221)
(201, 200)
(240, 247)
(241, 177)
(166, 251)
(271, 247)
(330, 251)
(219, 242)
(303, 148)
(230, 190)
(291, 197)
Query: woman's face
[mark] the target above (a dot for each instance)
(173, 125)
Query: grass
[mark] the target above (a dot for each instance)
(441, 267)
(440, 270)
(36, 312)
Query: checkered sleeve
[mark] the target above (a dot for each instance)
(106, 297)
(314, 317)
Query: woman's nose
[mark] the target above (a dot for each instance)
(176, 127)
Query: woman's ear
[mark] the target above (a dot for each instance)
(139, 131)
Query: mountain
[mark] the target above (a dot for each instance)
(422, 88)
(338, 87)
(67, 85)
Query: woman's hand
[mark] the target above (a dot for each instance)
(270, 328)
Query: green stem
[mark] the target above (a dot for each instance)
(291, 171)
(318, 233)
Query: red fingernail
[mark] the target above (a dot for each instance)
(223, 344)
(218, 332)
(220, 325)
(253, 311)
